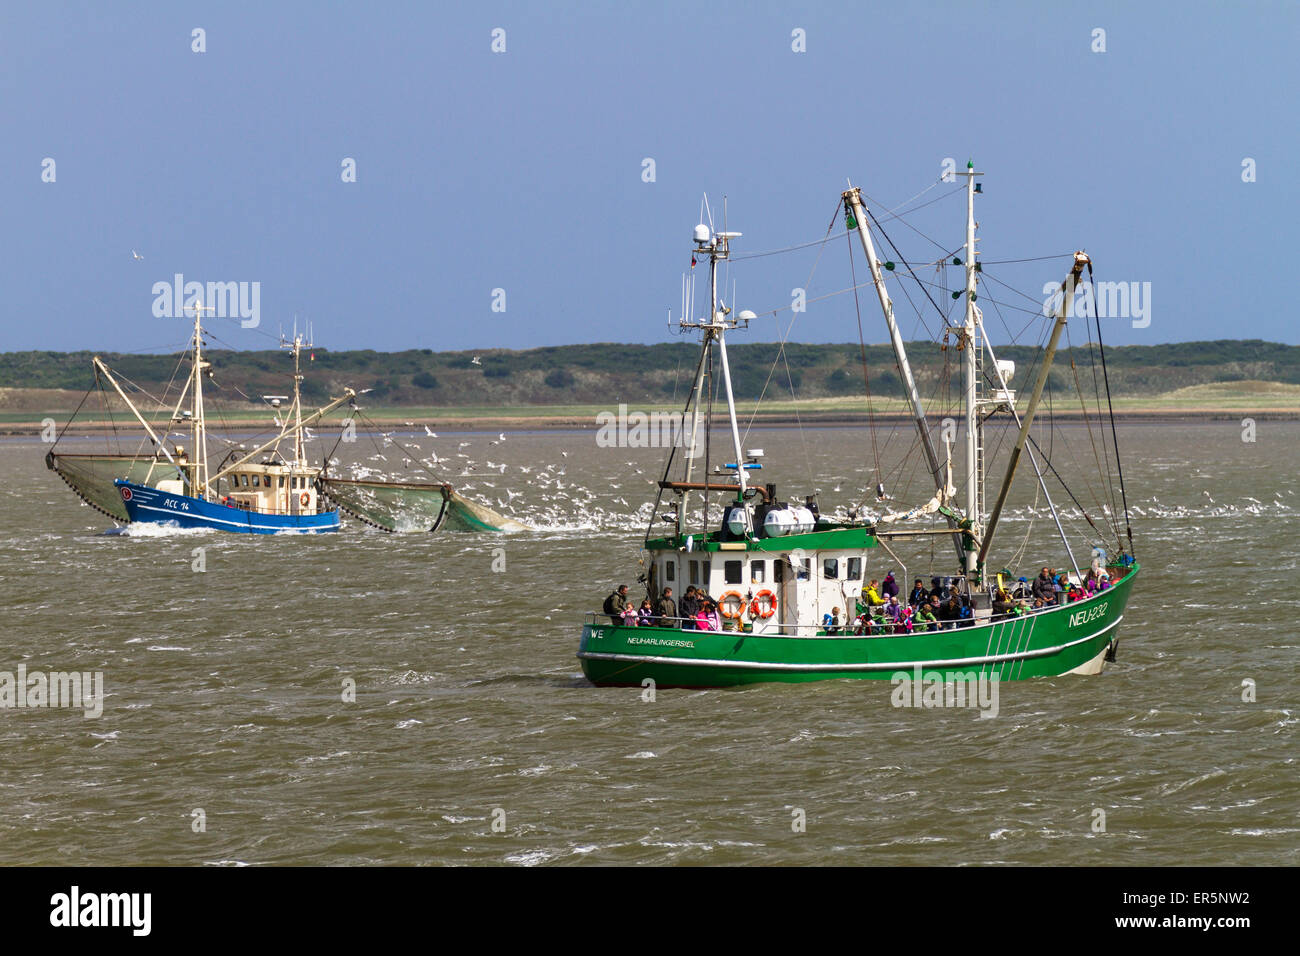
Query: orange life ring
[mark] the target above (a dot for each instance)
(756, 610)
(727, 600)
(304, 498)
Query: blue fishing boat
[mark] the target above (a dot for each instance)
(146, 504)
(262, 491)
(272, 489)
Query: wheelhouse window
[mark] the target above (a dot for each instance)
(282, 481)
(257, 481)
(831, 568)
(670, 570)
(803, 570)
(854, 571)
(778, 571)
(758, 572)
(731, 571)
(243, 481)
(695, 572)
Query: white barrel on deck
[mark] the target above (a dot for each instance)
(736, 522)
(779, 523)
(804, 520)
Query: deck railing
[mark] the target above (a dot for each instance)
(768, 629)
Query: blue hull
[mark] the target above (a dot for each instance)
(151, 506)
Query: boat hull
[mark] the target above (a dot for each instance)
(1074, 638)
(152, 506)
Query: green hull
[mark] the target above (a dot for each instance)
(1044, 644)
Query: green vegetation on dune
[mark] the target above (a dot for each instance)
(649, 375)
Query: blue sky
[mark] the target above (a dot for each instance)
(523, 170)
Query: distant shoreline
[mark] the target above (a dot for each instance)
(532, 420)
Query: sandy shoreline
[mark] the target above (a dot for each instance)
(542, 422)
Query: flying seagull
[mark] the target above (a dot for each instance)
(430, 432)
(136, 255)
(475, 361)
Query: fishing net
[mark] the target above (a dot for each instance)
(405, 506)
(91, 477)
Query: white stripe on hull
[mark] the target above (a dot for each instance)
(955, 663)
(1094, 666)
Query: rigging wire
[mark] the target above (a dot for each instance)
(1101, 347)
(783, 338)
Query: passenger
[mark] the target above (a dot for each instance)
(629, 615)
(1003, 604)
(614, 604)
(1104, 582)
(894, 613)
(831, 621)
(690, 607)
(889, 588)
(667, 610)
(645, 617)
(966, 615)
(1043, 586)
(871, 594)
(925, 618)
(706, 618)
(1074, 594)
(950, 614)
(919, 594)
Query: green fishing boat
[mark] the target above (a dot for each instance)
(779, 573)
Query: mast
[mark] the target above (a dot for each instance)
(970, 380)
(1067, 299)
(200, 440)
(297, 345)
(694, 405)
(858, 214)
(717, 245)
